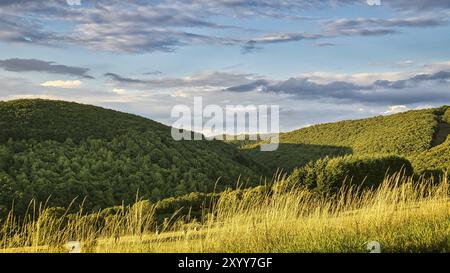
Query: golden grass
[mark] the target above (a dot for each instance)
(402, 215)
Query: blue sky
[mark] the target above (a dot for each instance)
(319, 60)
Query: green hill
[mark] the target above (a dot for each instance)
(65, 150)
(404, 134)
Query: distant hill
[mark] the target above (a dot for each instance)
(65, 150)
(404, 134)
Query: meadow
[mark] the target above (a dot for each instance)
(402, 214)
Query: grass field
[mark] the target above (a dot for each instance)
(403, 216)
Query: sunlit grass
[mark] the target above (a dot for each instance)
(402, 215)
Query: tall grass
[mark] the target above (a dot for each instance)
(401, 214)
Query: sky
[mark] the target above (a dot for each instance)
(320, 61)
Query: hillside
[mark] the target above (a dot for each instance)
(435, 159)
(403, 134)
(66, 150)
(438, 157)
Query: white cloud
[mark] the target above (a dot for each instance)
(62, 84)
(31, 96)
(120, 91)
(180, 94)
(324, 77)
(357, 78)
(405, 63)
(394, 109)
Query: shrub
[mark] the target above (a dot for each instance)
(191, 205)
(329, 174)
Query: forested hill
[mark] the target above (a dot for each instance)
(58, 120)
(65, 150)
(406, 134)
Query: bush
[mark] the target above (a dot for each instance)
(191, 205)
(329, 174)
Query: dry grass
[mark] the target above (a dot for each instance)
(403, 216)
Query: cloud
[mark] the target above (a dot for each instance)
(120, 91)
(345, 27)
(35, 65)
(259, 85)
(62, 84)
(275, 38)
(377, 26)
(214, 79)
(121, 79)
(441, 76)
(142, 26)
(153, 73)
(340, 24)
(405, 63)
(17, 29)
(323, 44)
(395, 109)
(130, 27)
(399, 88)
(420, 5)
(419, 88)
(141, 38)
(366, 32)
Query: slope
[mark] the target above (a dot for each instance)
(403, 134)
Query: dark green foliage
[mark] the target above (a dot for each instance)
(442, 129)
(105, 156)
(5, 158)
(289, 156)
(193, 205)
(327, 175)
(199, 205)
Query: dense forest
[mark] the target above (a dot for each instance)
(62, 151)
